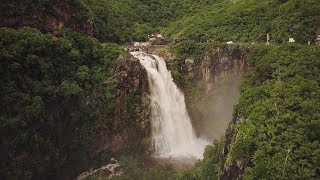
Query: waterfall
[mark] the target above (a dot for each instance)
(172, 132)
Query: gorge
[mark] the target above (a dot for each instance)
(178, 141)
(225, 89)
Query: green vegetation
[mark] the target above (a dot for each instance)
(118, 21)
(211, 165)
(58, 91)
(135, 169)
(18, 13)
(50, 87)
(250, 21)
(279, 105)
(279, 135)
(124, 21)
(209, 168)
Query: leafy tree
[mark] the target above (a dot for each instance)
(46, 81)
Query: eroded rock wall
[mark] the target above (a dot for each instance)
(231, 170)
(128, 131)
(47, 16)
(124, 133)
(214, 89)
(220, 73)
(217, 64)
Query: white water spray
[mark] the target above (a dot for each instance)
(172, 132)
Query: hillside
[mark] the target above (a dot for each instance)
(250, 21)
(117, 21)
(72, 98)
(275, 129)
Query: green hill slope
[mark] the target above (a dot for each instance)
(250, 21)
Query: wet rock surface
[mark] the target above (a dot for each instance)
(215, 84)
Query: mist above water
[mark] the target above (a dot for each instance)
(172, 131)
(212, 115)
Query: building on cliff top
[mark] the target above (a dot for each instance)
(291, 40)
(318, 40)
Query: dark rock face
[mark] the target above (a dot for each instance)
(50, 18)
(219, 63)
(219, 73)
(126, 132)
(216, 79)
(131, 123)
(232, 171)
(132, 102)
(216, 64)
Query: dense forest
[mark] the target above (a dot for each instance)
(58, 86)
(278, 134)
(250, 21)
(117, 21)
(48, 94)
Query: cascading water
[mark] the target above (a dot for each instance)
(172, 132)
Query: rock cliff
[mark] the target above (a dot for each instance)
(213, 88)
(233, 170)
(127, 132)
(48, 16)
(216, 64)
(219, 75)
